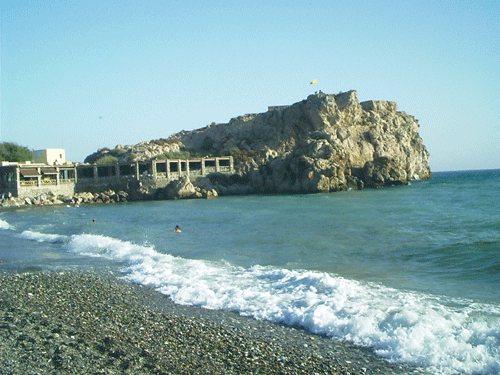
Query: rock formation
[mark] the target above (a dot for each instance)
(321, 144)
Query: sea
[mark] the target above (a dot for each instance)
(412, 272)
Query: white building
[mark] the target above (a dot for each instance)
(51, 156)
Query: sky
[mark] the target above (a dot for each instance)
(82, 75)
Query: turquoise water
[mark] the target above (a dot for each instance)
(412, 271)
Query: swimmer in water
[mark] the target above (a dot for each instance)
(177, 229)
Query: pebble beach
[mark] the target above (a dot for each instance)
(84, 323)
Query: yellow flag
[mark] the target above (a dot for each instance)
(314, 82)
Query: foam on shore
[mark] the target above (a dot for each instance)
(447, 335)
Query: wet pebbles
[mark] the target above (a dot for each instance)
(84, 323)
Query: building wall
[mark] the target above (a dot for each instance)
(51, 156)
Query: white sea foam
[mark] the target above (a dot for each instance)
(43, 237)
(5, 225)
(449, 336)
(107, 247)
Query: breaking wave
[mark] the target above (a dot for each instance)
(447, 335)
(43, 237)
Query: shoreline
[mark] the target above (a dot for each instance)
(83, 322)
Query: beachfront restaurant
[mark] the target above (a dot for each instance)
(30, 180)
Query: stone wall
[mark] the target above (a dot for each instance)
(64, 190)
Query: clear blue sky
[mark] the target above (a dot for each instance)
(82, 75)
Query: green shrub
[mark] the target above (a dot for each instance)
(238, 154)
(207, 144)
(107, 159)
(118, 151)
(163, 141)
(176, 155)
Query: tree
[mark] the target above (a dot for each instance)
(15, 153)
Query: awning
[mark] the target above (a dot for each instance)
(49, 170)
(29, 172)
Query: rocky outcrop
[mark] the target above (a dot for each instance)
(147, 150)
(324, 143)
(321, 144)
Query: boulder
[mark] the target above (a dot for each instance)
(84, 197)
(53, 200)
(209, 194)
(103, 197)
(177, 189)
(10, 202)
(122, 196)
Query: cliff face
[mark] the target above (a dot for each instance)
(324, 143)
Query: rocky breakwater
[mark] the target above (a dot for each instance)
(108, 196)
(321, 144)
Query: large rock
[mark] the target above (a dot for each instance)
(324, 143)
(10, 202)
(178, 189)
(84, 197)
